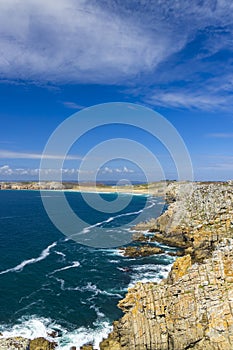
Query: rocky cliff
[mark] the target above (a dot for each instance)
(193, 307)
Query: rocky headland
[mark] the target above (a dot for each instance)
(193, 307)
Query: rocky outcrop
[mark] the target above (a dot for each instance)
(192, 309)
(86, 347)
(19, 343)
(41, 344)
(15, 343)
(141, 251)
(200, 217)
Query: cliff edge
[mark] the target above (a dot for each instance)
(192, 309)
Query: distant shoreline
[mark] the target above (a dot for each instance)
(155, 189)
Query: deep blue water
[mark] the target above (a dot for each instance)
(48, 281)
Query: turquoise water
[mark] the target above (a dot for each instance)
(48, 281)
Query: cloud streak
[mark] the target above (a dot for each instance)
(221, 135)
(5, 154)
(184, 99)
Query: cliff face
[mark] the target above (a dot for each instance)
(192, 309)
(200, 217)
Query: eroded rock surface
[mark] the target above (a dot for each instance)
(197, 219)
(15, 343)
(20, 343)
(192, 309)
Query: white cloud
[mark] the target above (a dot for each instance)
(99, 41)
(90, 41)
(127, 170)
(108, 170)
(6, 170)
(202, 100)
(70, 41)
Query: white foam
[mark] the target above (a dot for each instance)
(89, 287)
(75, 264)
(149, 273)
(60, 253)
(84, 335)
(31, 329)
(24, 263)
(110, 219)
(8, 217)
(35, 327)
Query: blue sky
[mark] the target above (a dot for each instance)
(175, 57)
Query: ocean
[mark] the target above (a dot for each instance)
(50, 282)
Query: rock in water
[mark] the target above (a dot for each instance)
(41, 344)
(144, 250)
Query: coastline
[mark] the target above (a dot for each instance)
(156, 189)
(204, 233)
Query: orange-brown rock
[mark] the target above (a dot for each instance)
(144, 250)
(192, 310)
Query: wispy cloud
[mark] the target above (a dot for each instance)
(184, 99)
(161, 44)
(5, 154)
(75, 41)
(215, 164)
(221, 135)
(73, 105)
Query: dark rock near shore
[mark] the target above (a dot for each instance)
(87, 347)
(142, 251)
(177, 253)
(139, 237)
(41, 344)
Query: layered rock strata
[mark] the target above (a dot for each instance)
(197, 219)
(192, 309)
